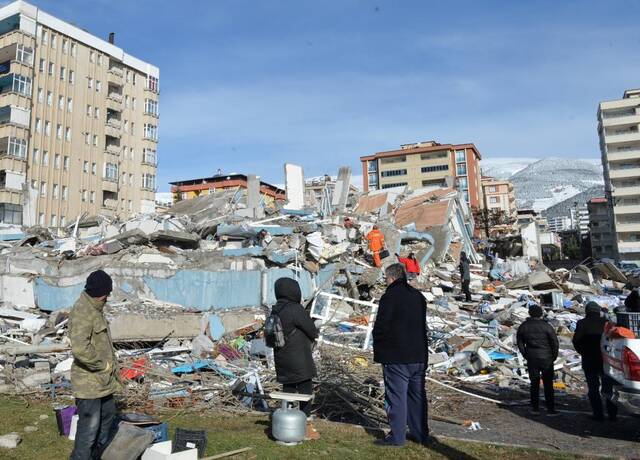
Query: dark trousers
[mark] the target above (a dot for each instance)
(466, 291)
(305, 388)
(95, 419)
(596, 379)
(406, 399)
(546, 372)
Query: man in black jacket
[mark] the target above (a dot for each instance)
(465, 276)
(586, 341)
(538, 344)
(295, 368)
(400, 345)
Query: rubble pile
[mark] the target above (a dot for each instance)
(193, 286)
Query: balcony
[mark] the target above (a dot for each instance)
(628, 246)
(628, 227)
(624, 155)
(114, 105)
(631, 136)
(626, 209)
(113, 149)
(16, 23)
(115, 97)
(109, 200)
(112, 131)
(626, 191)
(622, 173)
(630, 119)
(114, 75)
(114, 123)
(14, 115)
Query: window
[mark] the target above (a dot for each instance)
(56, 161)
(54, 191)
(59, 131)
(24, 54)
(17, 147)
(152, 83)
(394, 172)
(132, 128)
(47, 128)
(149, 156)
(93, 197)
(84, 195)
(384, 161)
(54, 41)
(90, 82)
(151, 132)
(99, 59)
(35, 155)
(126, 101)
(54, 220)
(42, 65)
(428, 169)
(65, 193)
(72, 77)
(397, 184)
(151, 108)
(63, 73)
(134, 79)
(94, 169)
(462, 183)
(89, 110)
(131, 177)
(466, 196)
(128, 76)
(98, 86)
(63, 221)
(460, 156)
(40, 95)
(461, 169)
(95, 140)
(87, 138)
(148, 181)
(85, 166)
(60, 102)
(41, 219)
(97, 112)
(52, 68)
(43, 188)
(65, 46)
(65, 162)
(130, 203)
(49, 98)
(11, 213)
(92, 56)
(22, 85)
(34, 184)
(131, 154)
(67, 134)
(133, 102)
(494, 200)
(126, 126)
(38, 125)
(111, 172)
(69, 105)
(44, 37)
(74, 49)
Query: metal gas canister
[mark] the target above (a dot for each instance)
(288, 424)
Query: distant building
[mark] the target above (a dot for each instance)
(618, 128)
(499, 195)
(425, 164)
(192, 188)
(559, 224)
(315, 189)
(580, 220)
(603, 237)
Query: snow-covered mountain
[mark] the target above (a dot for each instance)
(504, 168)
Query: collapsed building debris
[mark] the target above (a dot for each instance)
(192, 288)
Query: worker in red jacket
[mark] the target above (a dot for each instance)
(411, 265)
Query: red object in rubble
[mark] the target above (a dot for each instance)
(135, 371)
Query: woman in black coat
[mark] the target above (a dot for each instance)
(295, 368)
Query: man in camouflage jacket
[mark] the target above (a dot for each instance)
(94, 377)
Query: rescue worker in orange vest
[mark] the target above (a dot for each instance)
(376, 244)
(411, 264)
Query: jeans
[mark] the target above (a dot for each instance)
(546, 372)
(95, 419)
(596, 378)
(406, 399)
(305, 388)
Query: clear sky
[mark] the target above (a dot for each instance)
(248, 85)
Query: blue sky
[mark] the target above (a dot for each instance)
(248, 85)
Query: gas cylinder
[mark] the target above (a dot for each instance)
(288, 424)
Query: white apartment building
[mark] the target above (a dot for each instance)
(559, 224)
(618, 123)
(78, 122)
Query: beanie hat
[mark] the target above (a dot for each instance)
(98, 284)
(592, 308)
(535, 311)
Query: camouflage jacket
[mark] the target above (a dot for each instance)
(94, 369)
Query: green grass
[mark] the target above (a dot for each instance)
(227, 433)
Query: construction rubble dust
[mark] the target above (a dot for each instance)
(193, 286)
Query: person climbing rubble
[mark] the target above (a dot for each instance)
(538, 344)
(411, 265)
(295, 368)
(376, 245)
(586, 341)
(465, 276)
(94, 371)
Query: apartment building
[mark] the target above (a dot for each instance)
(499, 195)
(618, 123)
(600, 229)
(192, 188)
(559, 224)
(78, 122)
(425, 164)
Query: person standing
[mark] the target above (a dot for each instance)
(295, 368)
(94, 370)
(376, 244)
(400, 345)
(586, 341)
(411, 265)
(538, 344)
(465, 276)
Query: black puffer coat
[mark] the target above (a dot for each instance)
(538, 342)
(294, 362)
(586, 340)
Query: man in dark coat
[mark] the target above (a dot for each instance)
(632, 302)
(586, 341)
(400, 345)
(538, 344)
(295, 368)
(465, 276)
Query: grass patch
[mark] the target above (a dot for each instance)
(227, 433)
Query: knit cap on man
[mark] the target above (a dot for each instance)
(592, 308)
(98, 284)
(535, 311)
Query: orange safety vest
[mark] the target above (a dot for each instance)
(376, 240)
